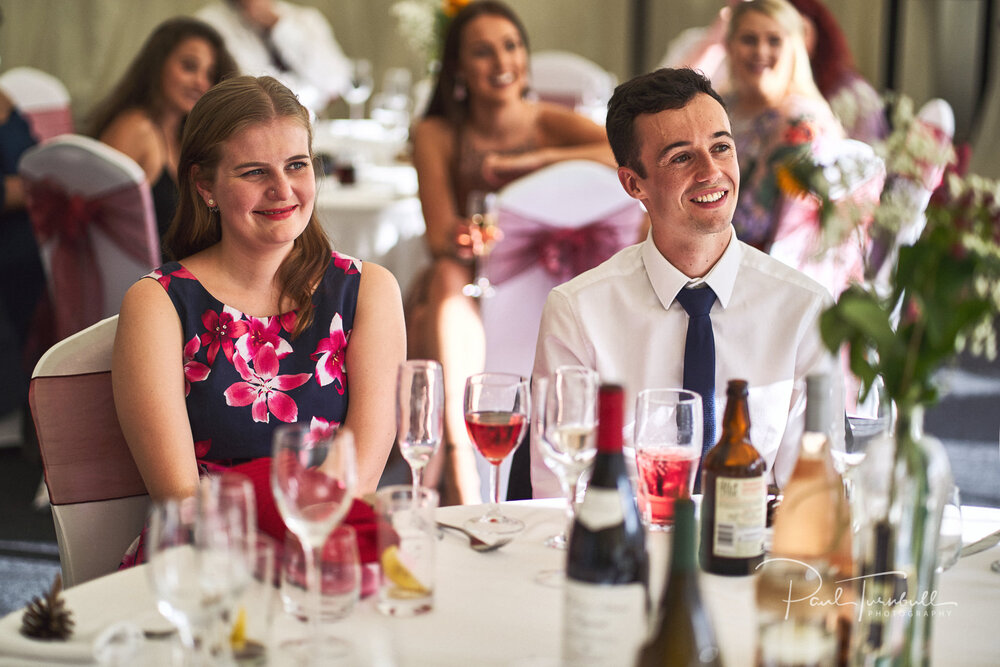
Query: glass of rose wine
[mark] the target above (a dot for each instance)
(668, 444)
(419, 414)
(496, 413)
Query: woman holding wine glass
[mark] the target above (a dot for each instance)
(478, 133)
(259, 323)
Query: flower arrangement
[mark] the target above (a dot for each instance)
(424, 23)
(944, 295)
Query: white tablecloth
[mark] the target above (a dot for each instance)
(377, 220)
(489, 610)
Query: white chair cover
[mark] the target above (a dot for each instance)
(557, 222)
(573, 81)
(93, 216)
(98, 498)
(41, 98)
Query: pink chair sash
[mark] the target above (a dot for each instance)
(83, 449)
(564, 252)
(64, 219)
(48, 123)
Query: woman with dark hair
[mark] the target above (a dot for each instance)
(856, 104)
(143, 116)
(479, 132)
(258, 323)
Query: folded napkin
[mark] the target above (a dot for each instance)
(360, 516)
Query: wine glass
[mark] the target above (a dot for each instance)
(419, 414)
(668, 447)
(361, 84)
(496, 414)
(481, 209)
(313, 478)
(566, 420)
(176, 573)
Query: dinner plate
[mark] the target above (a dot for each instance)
(122, 597)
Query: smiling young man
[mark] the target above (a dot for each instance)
(672, 139)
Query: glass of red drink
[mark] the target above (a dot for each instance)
(496, 414)
(668, 441)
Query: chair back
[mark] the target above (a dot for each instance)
(557, 222)
(41, 98)
(93, 217)
(573, 81)
(98, 499)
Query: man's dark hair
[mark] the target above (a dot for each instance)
(650, 93)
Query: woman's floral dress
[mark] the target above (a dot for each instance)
(244, 376)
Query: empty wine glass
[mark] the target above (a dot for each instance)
(313, 478)
(566, 419)
(481, 209)
(419, 414)
(176, 573)
(361, 84)
(496, 415)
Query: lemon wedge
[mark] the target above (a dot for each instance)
(238, 637)
(398, 573)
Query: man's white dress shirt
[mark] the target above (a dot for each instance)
(318, 71)
(621, 319)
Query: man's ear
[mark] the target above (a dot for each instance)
(203, 186)
(630, 181)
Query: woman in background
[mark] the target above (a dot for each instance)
(856, 104)
(258, 323)
(778, 115)
(143, 116)
(479, 133)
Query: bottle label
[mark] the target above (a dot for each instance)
(603, 624)
(601, 508)
(740, 516)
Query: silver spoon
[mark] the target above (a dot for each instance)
(475, 543)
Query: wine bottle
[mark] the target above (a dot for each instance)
(734, 505)
(811, 553)
(607, 571)
(683, 634)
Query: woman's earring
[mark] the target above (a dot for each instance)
(212, 207)
(459, 92)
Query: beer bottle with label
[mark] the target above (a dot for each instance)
(734, 506)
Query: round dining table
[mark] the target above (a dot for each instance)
(502, 607)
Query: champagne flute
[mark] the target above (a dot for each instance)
(481, 209)
(419, 414)
(361, 84)
(496, 415)
(568, 419)
(313, 478)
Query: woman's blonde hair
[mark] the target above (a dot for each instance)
(791, 23)
(221, 113)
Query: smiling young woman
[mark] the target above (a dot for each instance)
(259, 322)
(479, 132)
(144, 113)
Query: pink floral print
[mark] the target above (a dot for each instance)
(264, 388)
(222, 329)
(329, 356)
(194, 371)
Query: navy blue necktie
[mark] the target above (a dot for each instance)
(699, 357)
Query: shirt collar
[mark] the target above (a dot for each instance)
(667, 280)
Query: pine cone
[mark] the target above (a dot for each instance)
(46, 617)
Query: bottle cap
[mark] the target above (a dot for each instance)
(610, 409)
(737, 388)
